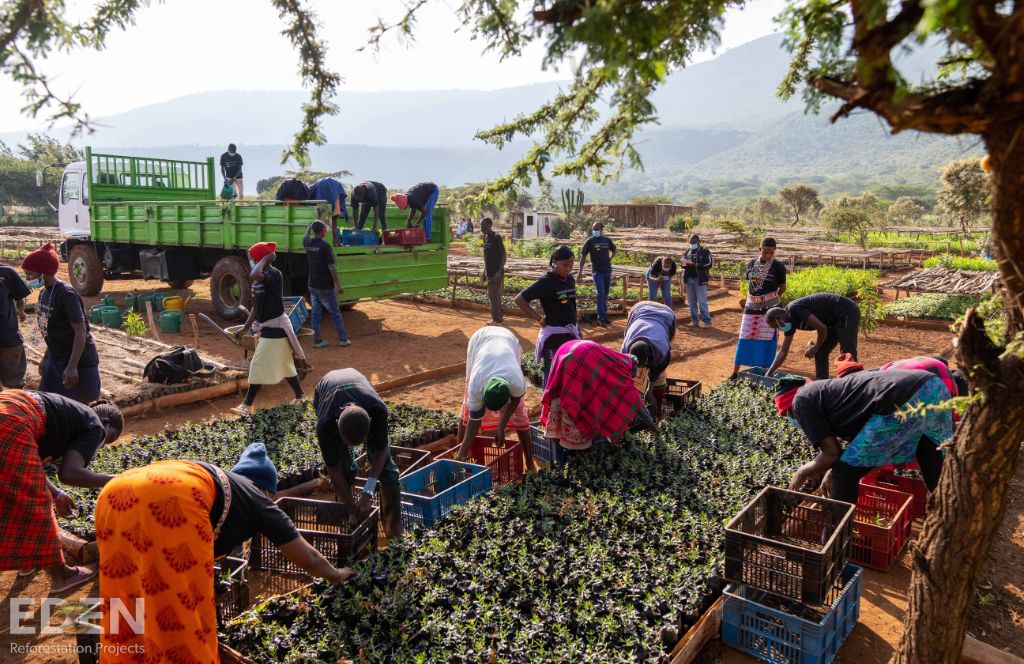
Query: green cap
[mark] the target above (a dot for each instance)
(496, 393)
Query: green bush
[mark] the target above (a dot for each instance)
(828, 279)
(680, 223)
(952, 262)
(931, 305)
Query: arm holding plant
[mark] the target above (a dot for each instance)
(828, 453)
(301, 553)
(377, 460)
(73, 472)
(780, 357)
(822, 331)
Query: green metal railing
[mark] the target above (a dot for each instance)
(123, 178)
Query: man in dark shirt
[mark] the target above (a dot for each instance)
(696, 274)
(835, 319)
(368, 196)
(349, 412)
(324, 286)
(602, 250)
(13, 291)
(494, 268)
(231, 169)
(332, 191)
(420, 198)
(659, 277)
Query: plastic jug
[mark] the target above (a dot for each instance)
(170, 321)
(95, 315)
(108, 300)
(174, 303)
(110, 316)
(129, 303)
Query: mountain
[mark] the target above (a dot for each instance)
(719, 121)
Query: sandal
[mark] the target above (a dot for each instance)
(81, 576)
(25, 573)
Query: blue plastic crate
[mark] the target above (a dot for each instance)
(544, 449)
(431, 492)
(774, 634)
(358, 237)
(299, 313)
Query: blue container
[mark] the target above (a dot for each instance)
(431, 492)
(775, 635)
(359, 237)
(299, 313)
(544, 449)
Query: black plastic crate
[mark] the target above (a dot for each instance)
(408, 459)
(791, 544)
(230, 588)
(682, 393)
(325, 525)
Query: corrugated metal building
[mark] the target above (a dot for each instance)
(648, 215)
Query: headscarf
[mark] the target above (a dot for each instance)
(785, 392)
(496, 393)
(401, 200)
(845, 365)
(43, 260)
(255, 465)
(258, 251)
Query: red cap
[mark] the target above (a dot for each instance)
(261, 249)
(401, 200)
(845, 364)
(43, 260)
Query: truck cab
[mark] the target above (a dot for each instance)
(73, 201)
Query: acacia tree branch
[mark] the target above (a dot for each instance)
(404, 25)
(17, 20)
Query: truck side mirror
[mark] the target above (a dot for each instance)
(39, 179)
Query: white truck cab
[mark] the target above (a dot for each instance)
(73, 201)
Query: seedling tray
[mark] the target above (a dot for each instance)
(505, 463)
(359, 237)
(881, 527)
(682, 393)
(231, 588)
(915, 486)
(295, 307)
(756, 375)
(545, 449)
(431, 492)
(788, 543)
(407, 459)
(325, 525)
(774, 630)
(405, 236)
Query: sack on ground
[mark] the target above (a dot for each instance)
(174, 366)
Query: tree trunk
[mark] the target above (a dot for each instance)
(967, 506)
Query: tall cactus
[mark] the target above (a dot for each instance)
(572, 201)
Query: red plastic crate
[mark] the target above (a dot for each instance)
(405, 236)
(915, 486)
(505, 463)
(879, 546)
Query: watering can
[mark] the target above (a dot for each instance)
(95, 317)
(170, 321)
(110, 316)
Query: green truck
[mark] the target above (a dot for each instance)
(121, 215)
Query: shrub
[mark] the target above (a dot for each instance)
(680, 223)
(952, 262)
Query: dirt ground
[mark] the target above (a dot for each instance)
(398, 338)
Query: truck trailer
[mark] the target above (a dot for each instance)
(120, 215)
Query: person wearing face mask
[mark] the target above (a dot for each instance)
(231, 169)
(766, 282)
(37, 428)
(696, 274)
(13, 291)
(602, 250)
(880, 416)
(833, 317)
(556, 291)
(659, 277)
(649, 333)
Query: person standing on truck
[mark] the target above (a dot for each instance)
(368, 196)
(231, 169)
(494, 269)
(272, 362)
(602, 250)
(421, 198)
(13, 291)
(332, 191)
(70, 365)
(324, 286)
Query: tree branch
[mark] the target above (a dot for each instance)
(403, 25)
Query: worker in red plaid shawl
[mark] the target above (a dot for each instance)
(37, 427)
(590, 394)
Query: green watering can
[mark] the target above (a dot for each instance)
(95, 317)
(108, 300)
(110, 316)
(170, 321)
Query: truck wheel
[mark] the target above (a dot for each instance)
(229, 288)
(85, 270)
(180, 284)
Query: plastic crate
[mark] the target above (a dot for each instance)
(879, 546)
(545, 449)
(784, 632)
(430, 493)
(756, 375)
(915, 486)
(791, 544)
(325, 525)
(231, 588)
(407, 459)
(405, 236)
(359, 237)
(297, 311)
(682, 393)
(506, 463)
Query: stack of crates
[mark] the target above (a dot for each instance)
(792, 598)
(358, 237)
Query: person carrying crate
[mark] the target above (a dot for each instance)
(349, 413)
(420, 198)
(879, 413)
(159, 530)
(368, 196)
(495, 387)
(650, 329)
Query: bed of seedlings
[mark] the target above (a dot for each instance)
(608, 558)
(289, 432)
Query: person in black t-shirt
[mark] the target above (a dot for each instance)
(833, 317)
(368, 196)
(659, 277)
(70, 365)
(880, 416)
(420, 198)
(556, 291)
(38, 428)
(766, 282)
(494, 268)
(231, 169)
(602, 250)
(13, 291)
(324, 286)
(273, 360)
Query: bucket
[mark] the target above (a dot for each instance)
(174, 303)
(110, 316)
(170, 321)
(95, 316)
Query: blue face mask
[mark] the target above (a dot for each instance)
(37, 283)
(596, 233)
(792, 420)
(786, 327)
(694, 247)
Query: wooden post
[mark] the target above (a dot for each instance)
(455, 283)
(682, 287)
(625, 291)
(195, 331)
(149, 315)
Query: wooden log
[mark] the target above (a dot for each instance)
(195, 331)
(183, 398)
(976, 652)
(422, 377)
(152, 325)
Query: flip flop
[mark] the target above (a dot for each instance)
(25, 573)
(83, 575)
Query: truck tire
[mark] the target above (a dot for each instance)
(229, 288)
(85, 270)
(180, 284)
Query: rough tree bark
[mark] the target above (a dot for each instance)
(968, 504)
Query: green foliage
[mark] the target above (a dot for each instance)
(18, 168)
(828, 279)
(964, 197)
(561, 228)
(908, 241)
(680, 223)
(952, 262)
(904, 212)
(746, 235)
(541, 247)
(763, 211)
(572, 201)
(651, 199)
(870, 303)
(134, 325)
(852, 215)
(800, 199)
(546, 199)
(931, 305)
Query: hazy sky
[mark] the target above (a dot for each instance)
(187, 46)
